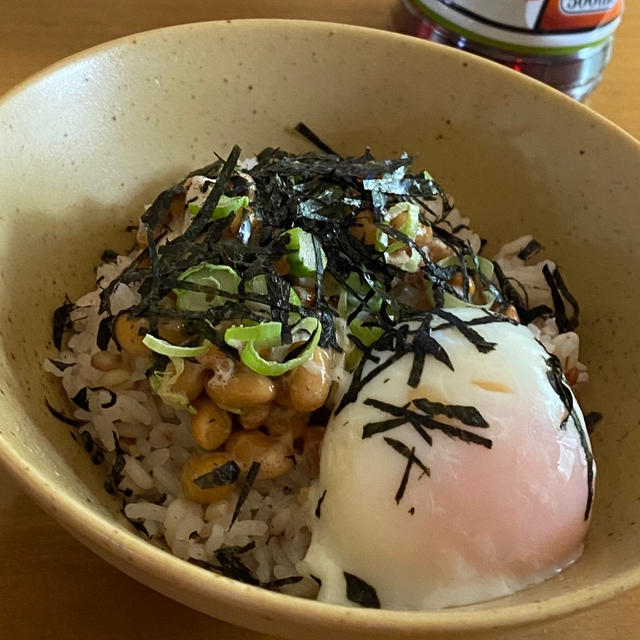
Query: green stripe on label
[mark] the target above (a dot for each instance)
(499, 44)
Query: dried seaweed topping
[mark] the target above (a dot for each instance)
(225, 474)
(360, 592)
(302, 129)
(467, 415)
(81, 399)
(556, 379)
(304, 211)
(530, 249)
(62, 322)
(104, 334)
(402, 339)
(61, 416)
(410, 455)
(230, 565)
(425, 419)
(558, 383)
(319, 505)
(465, 328)
(245, 487)
(560, 293)
(59, 365)
(159, 209)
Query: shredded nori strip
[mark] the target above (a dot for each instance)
(319, 505)
(104, 333)
(530, 249)
(61, 366)
(562, 287)
(280, 582)
(244, 490)
(87, 441)
(302, 128)
(360, 592)
(118, 465)
(82, 400)
(231, 566)
(559, 385)
(109, 255)
(61, 322)
(403, 450)
(555, 376)
(410, 455)
(421, 421)
(60, 416)
(223, 475)
(405, 477)
(372, 428)
(467, 415)
(159, 209)
(558, 290)
(482, 345)
(526, 313)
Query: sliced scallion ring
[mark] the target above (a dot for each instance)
(162, 383)
(258, 284)
(302, 257)
(366, 334)
(226, 206)
(409, 227)
(266, 335)
(486, 269)
(216, 276)
(164, 348)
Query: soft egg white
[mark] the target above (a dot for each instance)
(487, 521)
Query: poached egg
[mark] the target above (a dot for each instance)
(490, 494)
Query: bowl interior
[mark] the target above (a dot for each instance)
(89, 142)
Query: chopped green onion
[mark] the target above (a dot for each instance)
(217, 276)
(360, 285)
(407, 262)
(268, 334)
(367, 335)
(409, 228)
(486, 269)
(258, 284)
(302, 256)
(226, 206)
(165, 348)
(162, 383)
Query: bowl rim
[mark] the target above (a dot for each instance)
(84, 523)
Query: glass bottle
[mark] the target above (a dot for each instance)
(565, 43)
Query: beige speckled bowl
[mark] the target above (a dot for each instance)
(86, 143)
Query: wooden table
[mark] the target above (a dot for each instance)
(51, 587)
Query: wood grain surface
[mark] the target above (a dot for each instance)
(51, 587)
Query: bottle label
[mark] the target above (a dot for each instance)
(571, 15)
(533, 25)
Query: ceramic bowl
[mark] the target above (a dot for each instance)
(90, 140)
